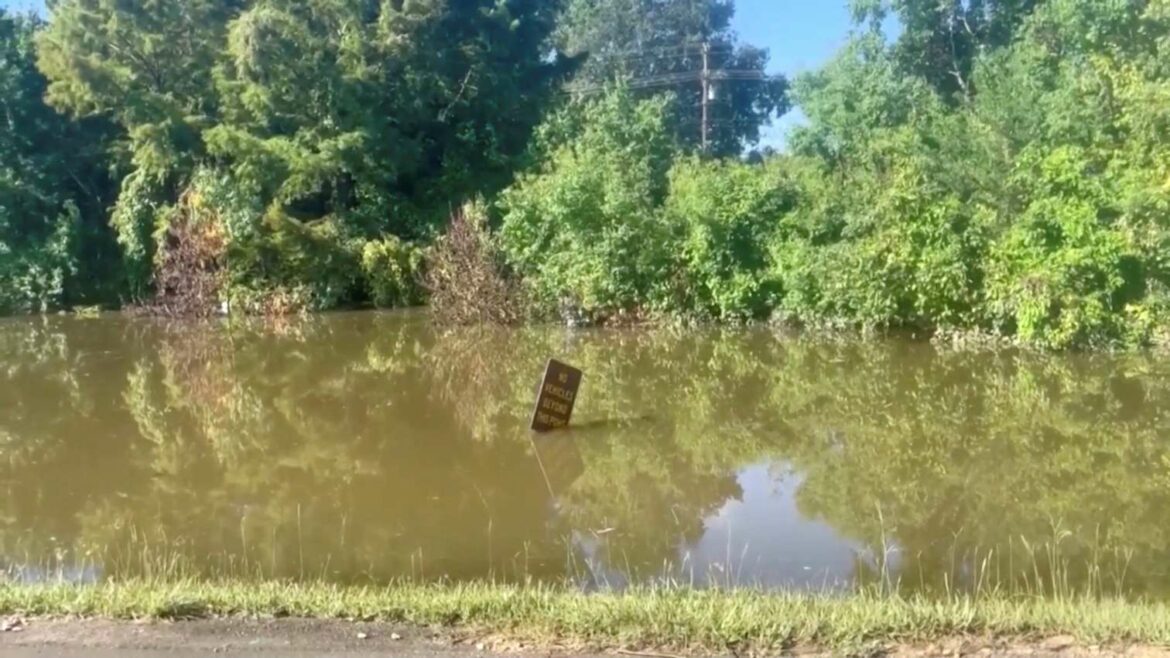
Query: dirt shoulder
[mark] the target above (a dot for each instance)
(293, 638)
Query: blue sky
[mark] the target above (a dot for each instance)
(39, 5)
(800, 34)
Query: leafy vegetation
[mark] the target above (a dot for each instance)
(1014, 184)
(317, 136)
(998, 168)
(53, 188)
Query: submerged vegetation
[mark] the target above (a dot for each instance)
(1008, 178)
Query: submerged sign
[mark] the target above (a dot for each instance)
(554, 401)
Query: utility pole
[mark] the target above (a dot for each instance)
(706, 80)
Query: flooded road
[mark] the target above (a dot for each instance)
(369, 447)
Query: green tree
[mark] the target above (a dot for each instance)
(348, 110)
(941, 40)
(659, 45)
(147, 66)
(584, 225)
(1030, 204)
(331, 123)
(857, 95)
(54, 246)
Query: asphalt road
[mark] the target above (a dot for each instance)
(290, 638)
(284, 638)
(63, 652)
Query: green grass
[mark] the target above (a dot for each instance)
(664, 619)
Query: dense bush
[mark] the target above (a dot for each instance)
(266, 261)
(34, 275)
(721, 218)
(393, 271)
(1062, 275)
(1025, 196)
(342, 127)
(584, 227)
(1033, 209)
(614, 218)
(879, 244)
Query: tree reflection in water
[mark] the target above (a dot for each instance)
(367, 447)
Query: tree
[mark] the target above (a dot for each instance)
(348, 110)
(321, 125)
(54, 246)
(1029, 202)
(941, 39)
(659, 45)
(859, 94)
(148, 65)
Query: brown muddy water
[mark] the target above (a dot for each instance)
(369, 447)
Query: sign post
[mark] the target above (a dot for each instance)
(559, 460)
(558, 393)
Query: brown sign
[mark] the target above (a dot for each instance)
(554, 401)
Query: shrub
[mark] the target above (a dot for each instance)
(392, 271)
(316, 258)
(722, 216)
(190, 265)
(34, 275)
(135, 220)
(217, 247)
(465, 278)
(881, 243)
(1062, 276)
(584, 228)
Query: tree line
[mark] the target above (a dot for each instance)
(999, 168)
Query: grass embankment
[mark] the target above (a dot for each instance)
(684, 620)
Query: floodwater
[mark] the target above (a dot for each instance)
(371, 447)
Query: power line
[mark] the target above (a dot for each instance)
(642, 57)
(650, 51)
(741, 74)
(674, 79)
(707, 77)
(687, 53)
(666, 79)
